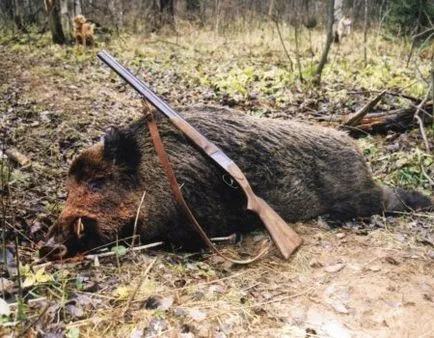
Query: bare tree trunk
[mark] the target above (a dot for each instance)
(432, 81)
(138, 16)
(65, 17)
(77, 7)
(167, 13)
(365, 34)
(270, 8)
(19, 14)
(297, 23)
(338, 11)
(116, 14)
(323, 61)
(217, 16)
(7, 9)
(193, 8)
(163, 14)
(54, 22)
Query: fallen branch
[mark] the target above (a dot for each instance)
(357, 117)
(396, 120)
(404, 96)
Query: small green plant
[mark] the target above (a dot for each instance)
(73, 332)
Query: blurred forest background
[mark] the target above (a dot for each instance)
(401, 17)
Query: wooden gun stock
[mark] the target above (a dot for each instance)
(285, 238)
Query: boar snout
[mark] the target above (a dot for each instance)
(75, 231)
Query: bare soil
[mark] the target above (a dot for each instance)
(371, 278)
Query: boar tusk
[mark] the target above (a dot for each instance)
(79, 228)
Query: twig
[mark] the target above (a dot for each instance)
(355, 118)
(20, 291)
(166, 42)
(412, 214)
(291, 64)
(19, 232)
(419, 120)
(230, 239)
(30, 325)
(408, 97)
(430, 180)
(104, 254)
(137, 218)
(136, 248)
(30, 301)
(422, 131)
(127, 306)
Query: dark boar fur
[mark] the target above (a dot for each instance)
(302, 171)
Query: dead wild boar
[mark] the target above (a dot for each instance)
(302, 171)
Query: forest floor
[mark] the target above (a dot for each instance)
(366, 278)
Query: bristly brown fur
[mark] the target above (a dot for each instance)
(301, 171)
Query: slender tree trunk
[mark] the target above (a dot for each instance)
(55, 23)
(116, 14)
(297, 50)
(338, 11)
(432, 80)
(323, 61)
(365, 34)
(192, 8)
(270, 8)
(77, 7)
(167, 13)
(163, 14)
(138, 16)
(18, 9)
(217, 16)
(9, 5)
(7, 10)
(65, 17)
(291, 64)
(296, 37)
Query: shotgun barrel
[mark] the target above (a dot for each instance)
(285, 238)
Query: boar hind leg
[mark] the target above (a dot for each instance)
(363, 203)
(397, 199)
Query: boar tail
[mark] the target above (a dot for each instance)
(397, 199)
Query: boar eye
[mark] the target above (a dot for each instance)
(96, 184)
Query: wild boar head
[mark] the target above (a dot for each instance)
(103, 186)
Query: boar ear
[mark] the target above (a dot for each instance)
(121, 148)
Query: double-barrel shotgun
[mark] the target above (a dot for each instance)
(285, 238)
